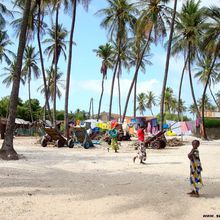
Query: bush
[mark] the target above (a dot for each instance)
(212, 123)
(172, 117)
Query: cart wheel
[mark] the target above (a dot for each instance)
(162, 144)
(156, 145)
(43, 142)
(70, 143)
(86, 145)
(59, 143)
(120, 137)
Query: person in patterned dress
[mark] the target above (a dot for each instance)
(195, 169)
(114, 138)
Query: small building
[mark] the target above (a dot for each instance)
(210, 114)
(20, 125)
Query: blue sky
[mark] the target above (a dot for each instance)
(85, 76)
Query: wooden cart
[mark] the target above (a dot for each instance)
(158, 141)
(54, 135)
(80, 135)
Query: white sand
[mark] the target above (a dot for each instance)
(52, 183)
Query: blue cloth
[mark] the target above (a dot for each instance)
(154, 122)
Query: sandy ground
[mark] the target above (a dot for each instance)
(52, 183)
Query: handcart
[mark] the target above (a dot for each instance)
(80, 135)
(53, 134)
(158, 141)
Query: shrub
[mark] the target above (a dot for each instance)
(212, 123)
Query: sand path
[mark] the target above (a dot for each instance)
(52, 183)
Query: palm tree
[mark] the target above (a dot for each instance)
(141, 99)
(203, 65)
(105, 52)
(40, 5)
(50, 81)
(152, 26)
(32, 21)
(56, 48)
(61, 43)
(69, 63)
(193, 110)
(174, 105)
(180, 86)
(207, 104)
(35, 24)
(150, 101)
(7, 151)
(91, 109)
(4, 12)
(30, 66)
(168, 98)
(118, 17)
(167, 63)
(10, 73)
(189, 30)
(181, 108)
(136, 48)
(218, 97)
(4, 52)
(212, 41)
(57, 4)
(121, 51)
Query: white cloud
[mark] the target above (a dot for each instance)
(94, 86)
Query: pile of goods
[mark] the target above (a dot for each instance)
(173, 142)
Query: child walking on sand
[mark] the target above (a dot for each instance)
(140, 134)
(141, 154)
(195, 169)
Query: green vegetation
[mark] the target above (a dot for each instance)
(172, 117)
(212, 123)
(23, 111)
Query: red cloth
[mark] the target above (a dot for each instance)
(140, 134)
(113, 124)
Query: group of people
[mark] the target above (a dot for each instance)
(195, 163)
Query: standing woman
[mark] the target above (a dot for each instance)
(195, 169)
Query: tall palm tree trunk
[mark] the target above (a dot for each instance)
(112, 88)
(29, 94)
(7, 151)
(55, 67)
(151, 111)
(135, 97)
(66, 119)
(180, 86)
(191, 83)
(167, 65)
(135, 75)
(44, 112)
(92, 107)
(210, 89)
(119, 89)
(203, 97)
(100, 100)
(192, 91)
(47, 104)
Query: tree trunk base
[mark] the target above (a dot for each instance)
(8, 155)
